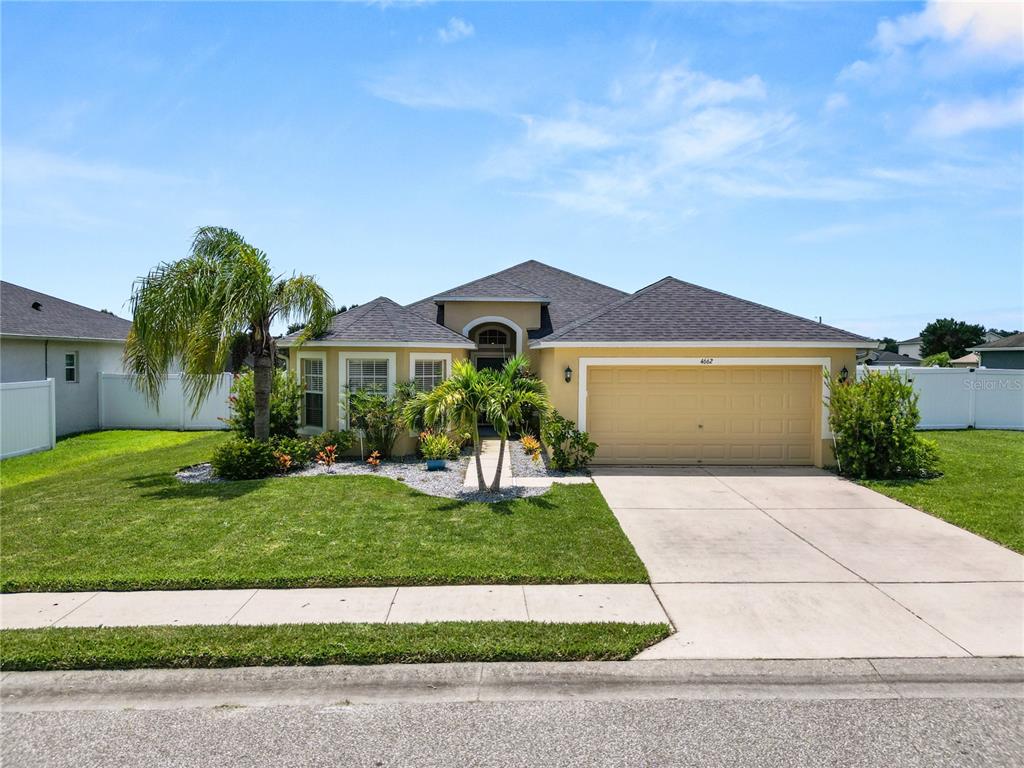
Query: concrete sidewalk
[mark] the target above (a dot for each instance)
(573, 603)
(489, 448)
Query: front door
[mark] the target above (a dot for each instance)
(490, 363)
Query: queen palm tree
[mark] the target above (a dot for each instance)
(457, 401)
(514, 392)
(191, 310)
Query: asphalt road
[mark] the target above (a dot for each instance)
(959, 733)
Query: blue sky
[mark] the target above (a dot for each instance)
(861, 162)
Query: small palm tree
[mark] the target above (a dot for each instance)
(460, 401)
(514, 392)
(191, 310)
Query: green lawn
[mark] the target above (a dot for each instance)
(103, 511)
(313, 644)
(981, 488)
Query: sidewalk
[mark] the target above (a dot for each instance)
(570, 603)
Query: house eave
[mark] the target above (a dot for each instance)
(709, 343)
(376, 344)
(995, 349)
(500, 299)
(49, 337)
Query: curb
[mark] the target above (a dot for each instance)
(953, 678)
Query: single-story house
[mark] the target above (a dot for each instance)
(1004, 352)
(671, 374)
(882, 357)
(44, 337)
(970, 360)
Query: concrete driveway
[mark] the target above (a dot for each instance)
(786, 562)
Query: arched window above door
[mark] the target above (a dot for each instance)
(492, 336)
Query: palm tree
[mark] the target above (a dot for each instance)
(191, 310)
(514, 393)
(460, 401)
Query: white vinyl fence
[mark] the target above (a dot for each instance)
(28, 417)
(122, 406)
(956, 398)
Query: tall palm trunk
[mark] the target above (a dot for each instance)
(496, 485)
(481, 483)
(263, 377)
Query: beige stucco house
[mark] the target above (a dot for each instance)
(671, 374)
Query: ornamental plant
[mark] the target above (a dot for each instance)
(327, 457)
(437, 445)
(874, 421)
(571, 449)
(531, 445)
(285, 402)
(380, 416)
(374, 460)
(244, 459)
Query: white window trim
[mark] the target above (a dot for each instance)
(427, 357)
(520, 333)
(322, 356)
(588, 362)
(77, 367)
(343, 358)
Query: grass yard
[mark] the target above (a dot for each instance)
(981, 488)
(104, 512)
(314, 644)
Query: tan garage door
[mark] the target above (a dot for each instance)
(695, 415)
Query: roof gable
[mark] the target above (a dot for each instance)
(55, 318)
(673, 311)
(568, 296)
(387, 322)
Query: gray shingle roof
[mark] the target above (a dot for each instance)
(385, 321)
(568, 296)
(55, 318)
(1013, 341)
(671, 310)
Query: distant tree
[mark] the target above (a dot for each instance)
(949, 335)
(889, 344)
(938, 360)
(1001, 332)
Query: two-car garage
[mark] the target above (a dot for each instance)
(703, 414)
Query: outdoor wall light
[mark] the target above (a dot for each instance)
(568, 374)
(844, 375)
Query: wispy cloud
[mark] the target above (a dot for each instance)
(947, 119)
(24, 165)
(836, 102)
(456, 29)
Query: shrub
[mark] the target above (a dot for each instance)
(940, 360)
(571, 449)
(873, 420)
(298, 449)
(341, 440)
(531, 445)
(285, 402)
(244, 458)
(437, 445)
(380, 416)
(327, 457)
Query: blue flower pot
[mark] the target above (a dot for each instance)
(435, 464)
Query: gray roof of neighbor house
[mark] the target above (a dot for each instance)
(24, 312)
(565, 297)
(1011, 343)
(883, 357)
(387, 322)
(671, 310)
(914, 340)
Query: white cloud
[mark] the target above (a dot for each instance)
(980, 27)
(947, 119)
(456, 29)
(836, 102)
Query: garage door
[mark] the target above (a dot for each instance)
(693, 415)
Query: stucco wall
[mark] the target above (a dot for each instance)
(565, 397)
(333, 376)
(77, 402)
(525, 314)
(1012, 360)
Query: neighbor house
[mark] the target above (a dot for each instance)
(882, 357)
(673, 373)
(1003, 352)
(44, 337)
(910, 347)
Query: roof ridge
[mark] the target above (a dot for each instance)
(765, 306)
(605, 309)
(106, 313)
(571, 274)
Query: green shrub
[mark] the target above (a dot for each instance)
(243, 458)
(285, 403)
(298, 449)
(380, 416)
(939, 360)
(341, 440)
(873, 420)
(437, 445)
(571, 449)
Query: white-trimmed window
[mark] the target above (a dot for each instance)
(492, 336)
(427, 374)
(71, 367)
(368, 374)
(313, 391)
